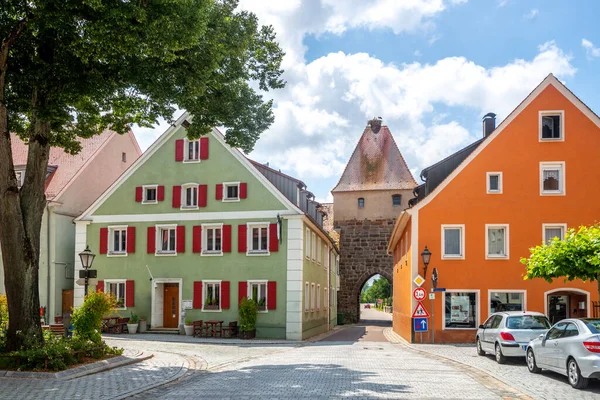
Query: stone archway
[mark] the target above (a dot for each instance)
(363, 247)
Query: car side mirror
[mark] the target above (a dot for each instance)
(481, 327)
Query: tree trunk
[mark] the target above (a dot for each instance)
(21, 212)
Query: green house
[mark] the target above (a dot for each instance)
(192, 227)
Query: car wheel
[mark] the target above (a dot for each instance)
(479, 348)
(574, 374)
(500, 359)
(531, 364)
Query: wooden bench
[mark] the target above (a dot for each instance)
(57, 329)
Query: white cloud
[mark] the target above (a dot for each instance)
(417, 53)
(502, 3)
(532, 14)
(591, 51)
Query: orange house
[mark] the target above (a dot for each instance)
(482, 208)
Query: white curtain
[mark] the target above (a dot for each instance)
(452, 242)
(496, 241)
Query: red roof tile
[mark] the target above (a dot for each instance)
(376, 164)
(66, 165)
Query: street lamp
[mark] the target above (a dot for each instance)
(87, 259)
(426, 256)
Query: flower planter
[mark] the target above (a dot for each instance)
(132, 328)
(248, 334)
(189, 330)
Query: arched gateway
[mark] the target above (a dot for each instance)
(374, 188)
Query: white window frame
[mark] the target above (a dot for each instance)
(506, 256)
(547, 113)
(224, 194)
(249, 292)
(158, 246)
(184, 188)
(313, 252)
(146, 187)
(489, 298)
(205, 251)
(205, 292)
(478, 308)
(249, 250)
(325, 298)
(111, 252)
(460, 256)
(319, 250)
(108, 282)
(326, 259)
(313, 296)
(318, 297)
(563, 226)
(562, 183)
(186, 151)
(306, 297)
(20, 176)
(488, 175)
(307, 244)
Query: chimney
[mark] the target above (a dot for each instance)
(489, 124)
(375, 124)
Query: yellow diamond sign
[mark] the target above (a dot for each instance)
(419, 280)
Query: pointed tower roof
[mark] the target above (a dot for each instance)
(376, 163)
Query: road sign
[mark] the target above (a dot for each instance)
(419, 294)
(440, 289)
(431, 296)
(419, 280)
(420, 311)
(421, 324)
(91, 281)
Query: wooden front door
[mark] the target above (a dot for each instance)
(171, 306)
(67, 301)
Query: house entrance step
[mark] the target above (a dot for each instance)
(166, 331)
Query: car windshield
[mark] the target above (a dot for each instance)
(593, 325)
(528, 322)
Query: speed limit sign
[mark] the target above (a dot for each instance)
(420, 294)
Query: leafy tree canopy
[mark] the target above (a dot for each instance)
(577, 256)
(87, 65)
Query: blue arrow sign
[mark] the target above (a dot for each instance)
(421, 324)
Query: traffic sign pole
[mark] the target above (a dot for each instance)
(432, 321)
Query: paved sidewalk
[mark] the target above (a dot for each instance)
(547, 385)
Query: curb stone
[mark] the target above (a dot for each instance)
(78, 372)
(494, 383)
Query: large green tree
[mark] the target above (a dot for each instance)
(577, 256)
(71, 68)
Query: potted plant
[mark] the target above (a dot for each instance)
(189, 328)
(132, 324)
(247, 313)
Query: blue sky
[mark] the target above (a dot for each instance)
(430, 68)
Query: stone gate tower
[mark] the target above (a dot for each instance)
(374, 188)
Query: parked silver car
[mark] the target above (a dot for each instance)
(571, 347)
(507, 333)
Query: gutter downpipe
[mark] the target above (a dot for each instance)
(48, 261)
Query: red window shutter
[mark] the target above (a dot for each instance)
(179, 150)
(273, 241)
(176, 196)
(181, 239)
(100, 286)
(226, 239)
(103, 240)
(204, 148)
(225, 295)
(271, 295)
(243, 190)
(242, 291)
(197, 300)
(139, 194)
(131, 239)
(242, 238)
(160, 195)
(151, 245)
(129, 293)
(219, 192)
(202, 191)
(197, 239)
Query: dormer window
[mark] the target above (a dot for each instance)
(361, 202)
(552, 126)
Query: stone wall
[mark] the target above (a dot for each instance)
(363, 247)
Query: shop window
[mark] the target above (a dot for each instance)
(460, 310)
(507, 301)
